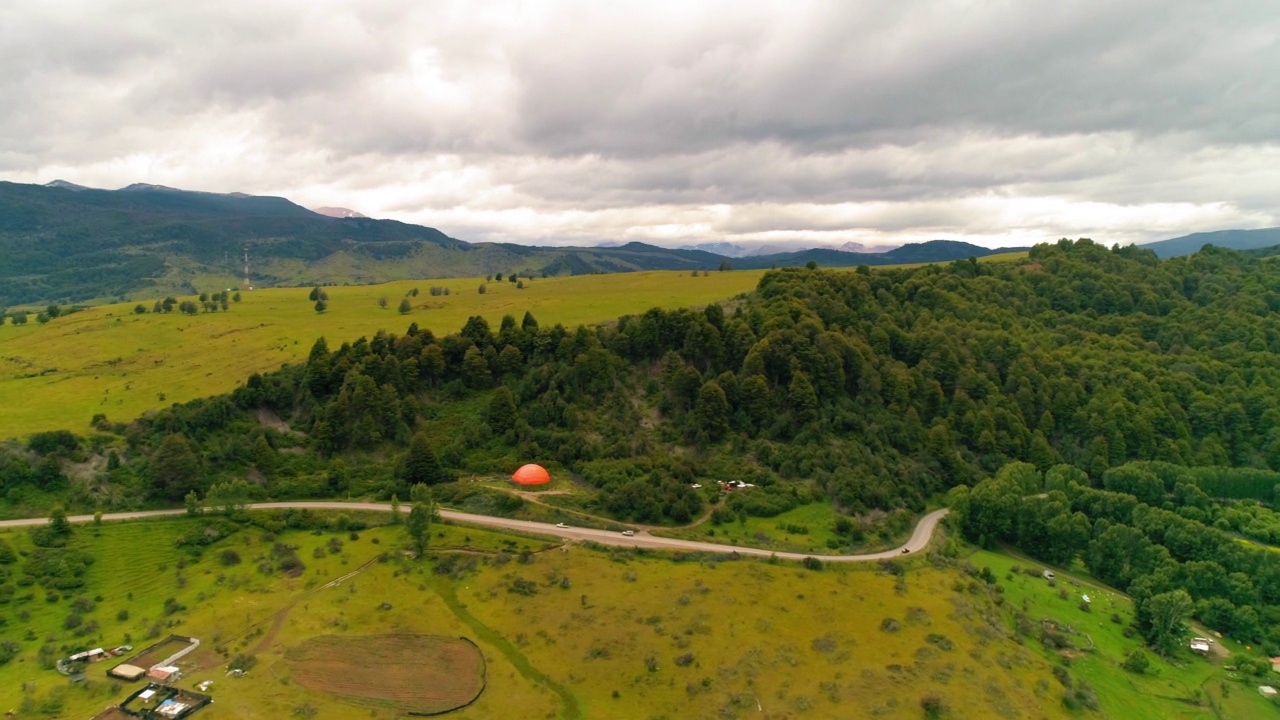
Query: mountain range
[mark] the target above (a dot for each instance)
(1230, 239)
(63, 242)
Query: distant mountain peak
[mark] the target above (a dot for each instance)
(66, 185)
(148, 187)
(338, 212)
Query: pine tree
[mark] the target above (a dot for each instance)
(502, 411)
(422, 465)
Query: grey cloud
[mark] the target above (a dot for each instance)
(572, 121)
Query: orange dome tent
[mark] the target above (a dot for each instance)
(532, 475)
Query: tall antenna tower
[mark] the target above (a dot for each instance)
(247, 284)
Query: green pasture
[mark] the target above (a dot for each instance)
(1183, 686)
(776, 533)
(566, 631)
(108, 360)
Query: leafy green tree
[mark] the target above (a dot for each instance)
(711, 412)
(321, 306)
(475, 369)
(529, 324)
(59, 526)
(1164, 615)
(803, 399)
(432, 364)
(192, 502)
(264, 456)
(175, 469)
(19, 317)
(405, 306)
(502, 413)
(419, 523)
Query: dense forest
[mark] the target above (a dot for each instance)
(872, 390)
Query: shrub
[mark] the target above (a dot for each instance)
(229, 558)
(242, 662)
(1136, 662)
(890, 625)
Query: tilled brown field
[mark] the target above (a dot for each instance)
(414, 674)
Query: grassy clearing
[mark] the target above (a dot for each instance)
(444, 674)
(1183, 686)
(777, 532)
(108, 360)
(565, 632)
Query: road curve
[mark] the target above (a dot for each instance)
(919, 537)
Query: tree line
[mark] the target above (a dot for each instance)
(870, 390)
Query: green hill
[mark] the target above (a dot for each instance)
(68, 244)
(1230, 239)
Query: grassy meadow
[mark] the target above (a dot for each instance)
(1183, 686)
(108, 360)
(576, 632)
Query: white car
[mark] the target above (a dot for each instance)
(561, 525)
(629, 533)
(696, 486)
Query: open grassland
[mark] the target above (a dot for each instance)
(574, 632)
(1183, 686)
(807, 528)
(108, 360)
(412, 674)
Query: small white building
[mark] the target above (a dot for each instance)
(1199, 645)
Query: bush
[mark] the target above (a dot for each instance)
(229, 558)
(890, 625)
(1136, 662)
(242, 662)
(812, 563)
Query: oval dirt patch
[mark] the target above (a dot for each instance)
(413, 674)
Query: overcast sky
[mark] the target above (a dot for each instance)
(1001, 123)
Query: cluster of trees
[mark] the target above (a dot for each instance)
(875, 390)
(208, 302)
(1145, 534)
(20, 317)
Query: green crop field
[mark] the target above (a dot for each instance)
(572, 632)
(108, 360)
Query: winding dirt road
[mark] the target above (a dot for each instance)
(919, 538)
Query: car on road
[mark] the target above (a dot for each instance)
(629, 533)
(906, 550)
(561, 525)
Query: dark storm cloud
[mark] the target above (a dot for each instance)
(999, 122)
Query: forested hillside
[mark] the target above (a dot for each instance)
(868, 389)
(65, 243)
